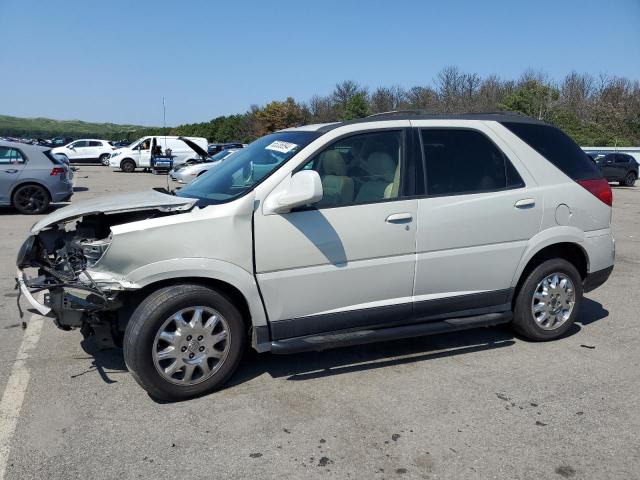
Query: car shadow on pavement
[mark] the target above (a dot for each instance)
(105, 362)
(313, 365)
(591, 311)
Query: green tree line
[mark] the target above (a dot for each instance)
(602, 110)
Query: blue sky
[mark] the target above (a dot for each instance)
(114, 60)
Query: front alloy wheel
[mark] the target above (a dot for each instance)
(191, 345)
(184, 340)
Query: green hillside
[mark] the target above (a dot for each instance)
(47, 128)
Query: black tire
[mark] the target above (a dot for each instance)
(104, 159)
(128, 166)
(147, 320)
(523, 318)
(31, 199)
(629, 180)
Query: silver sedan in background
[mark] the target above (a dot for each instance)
(188, 172)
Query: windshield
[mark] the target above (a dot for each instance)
(220, 155)
(135, 144)
(247, 167)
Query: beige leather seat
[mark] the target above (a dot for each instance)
(382, 172)
(337, 187)
(392, 189)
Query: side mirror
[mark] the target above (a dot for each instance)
(302, 188)
(71, 147)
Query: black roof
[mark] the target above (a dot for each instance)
(419, 115)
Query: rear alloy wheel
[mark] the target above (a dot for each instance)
(629, 180)
(183, 341)
(31, 199)
(548, 301)
(104, 159)
(128, 166)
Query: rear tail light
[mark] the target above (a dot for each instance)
(57, 171)
(600, 188)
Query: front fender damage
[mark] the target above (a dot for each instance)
(61, 261)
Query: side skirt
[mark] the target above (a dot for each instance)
(357, 337)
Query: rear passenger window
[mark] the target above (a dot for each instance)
(465, 161)
(95, 144)
(359, 169)
(10, 156)
(557, 148)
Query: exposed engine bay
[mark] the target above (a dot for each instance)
(62, 256)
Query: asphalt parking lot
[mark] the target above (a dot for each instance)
(478, 404)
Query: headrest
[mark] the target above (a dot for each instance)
(380, 164)
(333, 164)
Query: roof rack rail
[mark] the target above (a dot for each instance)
(426, 112)
(396, 112)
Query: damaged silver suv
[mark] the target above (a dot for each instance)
(394, 226)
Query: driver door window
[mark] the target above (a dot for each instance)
(360, 169)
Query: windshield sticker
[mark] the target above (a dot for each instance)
(281, 146)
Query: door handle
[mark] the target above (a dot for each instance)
(525, 203)
(11, 171)
(399, 218)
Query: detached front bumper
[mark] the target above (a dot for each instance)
(21, 278)
(71, 305)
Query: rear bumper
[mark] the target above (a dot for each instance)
(597, 278)
(63, 194)
(62, 197)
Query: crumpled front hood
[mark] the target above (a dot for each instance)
(126, 202)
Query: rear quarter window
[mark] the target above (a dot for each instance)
(557, 148)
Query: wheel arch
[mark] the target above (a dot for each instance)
(232, 293)
(29, 181)
(128, 159)
(231, 280)
(572, 251)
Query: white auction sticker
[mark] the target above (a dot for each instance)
(280, 146)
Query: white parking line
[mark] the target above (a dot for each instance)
(13, 395)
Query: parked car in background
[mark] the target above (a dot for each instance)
(31, 177)
(86, 151)
(322, 236)
(121, 143)
(187, 172)
(138, 154)
(214, 148)
(618, 167)
(61, 141)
